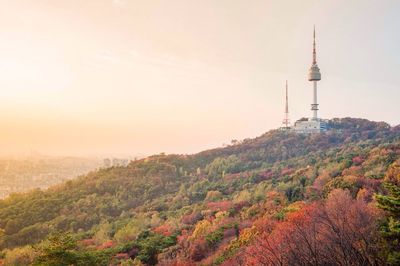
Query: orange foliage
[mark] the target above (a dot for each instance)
(121, 256)
(354, 170)
(105, 245)
(164, 229)
(87, 242)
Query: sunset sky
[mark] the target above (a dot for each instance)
(125, 77)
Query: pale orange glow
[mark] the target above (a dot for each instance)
(128, 77)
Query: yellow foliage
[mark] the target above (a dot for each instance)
(295, 206)
(201, 229)
(155, 219)
(243, 195)
(350, 179)
(221, 215)
(20, 256)
(247, 235)
(213, 195)
(103, 233)
(393, 173)
(244, 238)
(130, 231)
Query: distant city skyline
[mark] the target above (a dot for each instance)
(102, 77)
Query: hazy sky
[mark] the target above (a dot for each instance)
(86, 77)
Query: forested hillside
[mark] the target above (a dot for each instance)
(278, 199)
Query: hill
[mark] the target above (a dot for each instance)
(241, 204)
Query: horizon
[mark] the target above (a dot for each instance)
(128, 77)
(131, 156)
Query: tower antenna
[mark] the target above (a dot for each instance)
(314, 51)
(286, 121)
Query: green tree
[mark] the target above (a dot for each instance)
(60, 249)
(391, 203)
(151, 244)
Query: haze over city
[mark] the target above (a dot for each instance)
(143, 77)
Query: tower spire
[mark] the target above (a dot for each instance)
(314, 51)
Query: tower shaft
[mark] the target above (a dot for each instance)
(314, 105)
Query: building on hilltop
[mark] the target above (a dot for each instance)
(313, 124)
(309, 126)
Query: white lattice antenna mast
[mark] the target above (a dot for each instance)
(286, 121)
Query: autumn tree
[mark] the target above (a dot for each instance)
(341, 231)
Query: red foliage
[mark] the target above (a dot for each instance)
(231, 177)
(265, 224)
(357, 160)
(245, 224)
(198, 250)
(274, 202)
(220, 205)
(319, 183)
(164, 229)
(191, 218)
(179, 261)
(182, 239)
(226, 221)
(287, 171)
(266, 175)
(340, 232)
(369, 183)
(133, 252)
(230, 232)
(238, 260)
(240, 205)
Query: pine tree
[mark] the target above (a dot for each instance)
(391, 203)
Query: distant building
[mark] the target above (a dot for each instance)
(313, 124)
